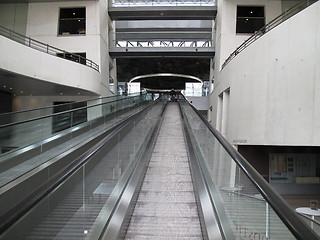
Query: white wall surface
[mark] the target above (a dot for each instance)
(14, 16)
(200, 103)
(275, 86)
(43, 25)
(35, 64)
(227, 39)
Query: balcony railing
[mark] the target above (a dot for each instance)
(274, 23)
(27, 41)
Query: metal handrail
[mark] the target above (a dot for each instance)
(274, 23)
(27, 41)
(60, 113)
(296, 225)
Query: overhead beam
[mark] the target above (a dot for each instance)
(163, 13)
(166, 52)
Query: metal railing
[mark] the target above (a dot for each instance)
(274, 23)
(164, 44)
(160, 3)
(43, 47)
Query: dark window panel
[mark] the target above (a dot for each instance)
(249, 25)
(247, 11)
(72, 21)
(66, 13)
(249, 19)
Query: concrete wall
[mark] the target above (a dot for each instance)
(226, 38)
(14, 16)
(43, 24)
(274, 86)
(35, 64)
(200, 103)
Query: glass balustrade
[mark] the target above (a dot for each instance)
(245, 210)
(81, 206)
(27, 144)
(11, 117)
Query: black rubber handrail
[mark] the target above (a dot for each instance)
(274, 23)
(27, 41)
(293, 222)
(60, 113)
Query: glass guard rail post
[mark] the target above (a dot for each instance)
(253, 208)
(93, 188)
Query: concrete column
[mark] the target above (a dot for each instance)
(219, 112)
(225, 112)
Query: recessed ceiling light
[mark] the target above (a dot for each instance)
(21, 91)
(10, 88)
(4, 86)
(61, 93)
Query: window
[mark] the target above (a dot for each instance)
(76, 57)
(249, 19)
(72, 21)
(66, 120)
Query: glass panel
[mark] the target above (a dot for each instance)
(29, 144)
(77, 206)
(248, 214)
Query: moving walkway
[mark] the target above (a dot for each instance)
(161, 173)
